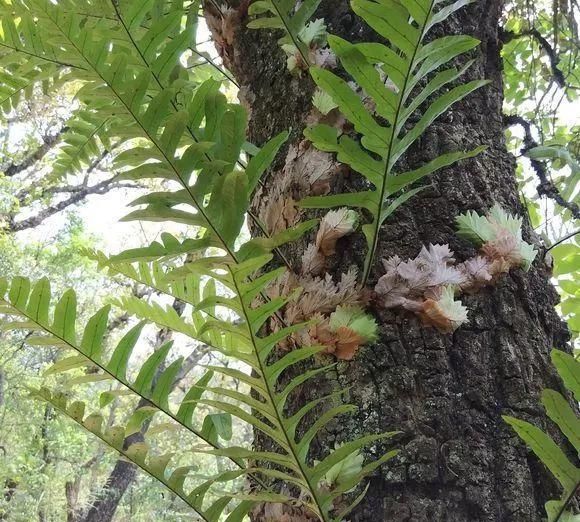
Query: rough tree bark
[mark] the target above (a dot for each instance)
(460, 462)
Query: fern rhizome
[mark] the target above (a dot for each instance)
(142, 103)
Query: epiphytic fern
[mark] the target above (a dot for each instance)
(283, 14)
(191, 138)
(395, 78)
(85, 143)
(29, 310)
(559, 410)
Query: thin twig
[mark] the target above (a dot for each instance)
(562, 240)
(546, 186)
(558, 75)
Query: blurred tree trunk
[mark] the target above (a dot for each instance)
(124, 473)
(45, 451)
(460, 462)
(10, 486)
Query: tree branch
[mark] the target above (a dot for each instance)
(67, 189)
(546, 186)
(36, 156)
(557, 74)
(79, 194)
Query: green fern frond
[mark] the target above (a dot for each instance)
(127, 79)
(553, 457)
(158, 466)
(250, 347)
(386, 132)
(28, 309)
(191, 136)
(25, 32)
(154, 275)
(239, 339)
(17, 84)
(280, 14)
(87, 138)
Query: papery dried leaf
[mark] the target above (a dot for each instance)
(283, 285)
(280, 215)
(446, 275)
(505, 246)
(333, 119)
(415, 275)
(391, 263)
(320, 181)
(477, 273)
(501, 220)
(335, 225)
(354, 318)
(445, 314)
(347, 343)
(412, 305)
(322, 335)
(499, 266)
(231, 22)
(308, 170)
(348, 291)
(321, 171)
(312, 261)
(436, 254)
(324, 58)
(507, 252)
(271, 512)
(294, 60)
(391, 290)
(501, 235)
(432, 315)
(324, 295)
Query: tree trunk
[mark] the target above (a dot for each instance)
(124, 473)
(460, 462)
(104, 508)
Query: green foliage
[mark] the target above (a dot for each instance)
(559, 410)
(190, 138)
(141, 105)
(355, 319)
(499, 231)
(541, 46)
(298, 35)
(406, 64)
(559, 158)
(566, 259)
(29, 307)
(155, 465)
(85, 140)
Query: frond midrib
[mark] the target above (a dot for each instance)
(388, 166)
(272, 399)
